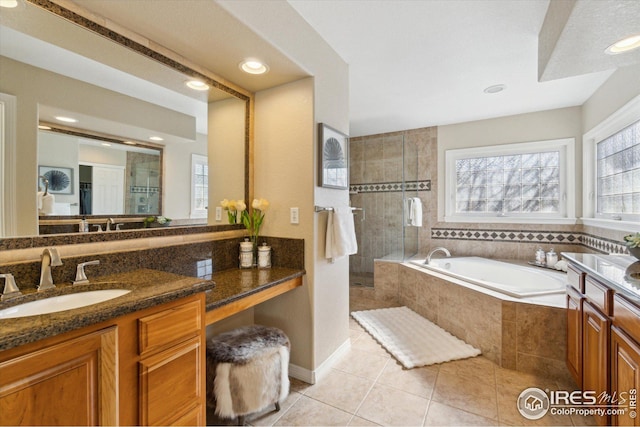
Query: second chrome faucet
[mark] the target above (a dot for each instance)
(50, 258)
(81, 276)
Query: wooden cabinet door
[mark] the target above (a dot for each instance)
(171, 384)
(595, 353)
(574, 334)
(625, 374)
(69, 383)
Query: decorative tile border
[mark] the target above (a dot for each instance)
(596, 243)
(516, 236)
(388, 187)
(603, 245)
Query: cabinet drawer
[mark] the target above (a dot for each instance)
(169, 326)
(171, 384)
(626, 316)
(599, 295)
(575, 278)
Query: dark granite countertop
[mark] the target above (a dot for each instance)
(617, 271)
(148, 288)
(234, 284)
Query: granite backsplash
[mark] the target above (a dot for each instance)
(198, 259)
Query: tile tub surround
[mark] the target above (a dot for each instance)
(148, 288)
(521, 336)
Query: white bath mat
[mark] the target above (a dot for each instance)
(412, 339)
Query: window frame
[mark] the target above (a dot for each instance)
(567, 182)
(625, 116)
(197, 159)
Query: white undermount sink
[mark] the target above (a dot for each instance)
(61, 303)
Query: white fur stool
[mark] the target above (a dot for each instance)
(247, 370)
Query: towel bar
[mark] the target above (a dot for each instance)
(323, 208)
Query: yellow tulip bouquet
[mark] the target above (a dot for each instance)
(233, 207)
(253, 220)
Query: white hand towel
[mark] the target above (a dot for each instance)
(40, 195)
(328, 246)
(341, 235)
(48, 204)
(415, 216)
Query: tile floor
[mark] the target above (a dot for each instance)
(367, 387)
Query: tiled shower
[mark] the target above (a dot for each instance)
(384, 173)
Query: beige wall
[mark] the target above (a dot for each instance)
(327, 284)
(620, 88)
(539, 126)
(226, 141)
(176, 181)
(283, 129)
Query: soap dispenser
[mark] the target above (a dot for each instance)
(83, 227)
(552, 258)
(246, 254)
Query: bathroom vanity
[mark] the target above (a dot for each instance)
(135, 360)
(111, 363)
(603, 329)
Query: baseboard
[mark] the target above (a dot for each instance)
(311, 377)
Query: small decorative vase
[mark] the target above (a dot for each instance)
(635, 252)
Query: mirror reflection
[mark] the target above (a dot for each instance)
(55, 68)
(99, 175)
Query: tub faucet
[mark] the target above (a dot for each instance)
(50, 258)
(438, 249)
(110, 222)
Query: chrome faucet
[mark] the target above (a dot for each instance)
(438, 249)
(50, 258)
(81, 276)
(110, 222)
(10, 289)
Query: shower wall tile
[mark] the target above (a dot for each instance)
(373, 171)
(393, 170)
(381, 167)
(373, 150)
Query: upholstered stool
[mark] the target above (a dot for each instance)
(247, 371)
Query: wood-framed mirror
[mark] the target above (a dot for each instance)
(57, 62)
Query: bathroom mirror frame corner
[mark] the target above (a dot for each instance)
(71, 14)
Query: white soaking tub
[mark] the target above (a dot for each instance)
(509, 279)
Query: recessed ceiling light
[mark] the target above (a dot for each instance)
(9, 3)
(197, 85)
(624, 45)
(43, 127)
(156, 138)
(253, 66)
(106, 144)
(129, 142)
(495, 89)
(66, 119)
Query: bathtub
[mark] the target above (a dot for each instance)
(510, 279)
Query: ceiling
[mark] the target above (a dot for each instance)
(412, 63)
(422, 63)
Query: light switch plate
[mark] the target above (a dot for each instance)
(218, 213)
(295, 216)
